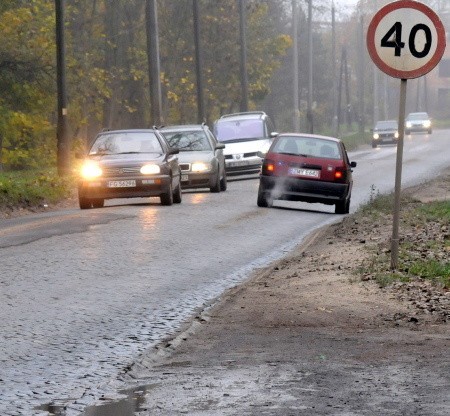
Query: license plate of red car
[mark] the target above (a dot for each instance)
(310, 173)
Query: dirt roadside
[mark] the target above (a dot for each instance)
(306, 336)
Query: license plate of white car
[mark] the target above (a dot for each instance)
(184, 178)
(240, 163)
(122, 184)
(311, 173)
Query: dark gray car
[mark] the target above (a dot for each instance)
(201, 157)
(385, 131)
(129, 164)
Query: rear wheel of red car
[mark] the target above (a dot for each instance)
(343, 207)
(264, 198)
(167, 197)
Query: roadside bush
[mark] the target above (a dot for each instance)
(32, 188)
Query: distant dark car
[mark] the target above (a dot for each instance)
(201, 157)
(418, 123)
(129, 164)
(385, 131)
(308, 168)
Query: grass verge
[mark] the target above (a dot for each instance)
(28, 189)
(424, 250)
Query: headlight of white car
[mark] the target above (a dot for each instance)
(91, 170)
(427, 123)
(376, 136)
(150, 169)
(408, 124)
(200, 167)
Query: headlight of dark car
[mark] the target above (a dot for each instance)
(91, 170)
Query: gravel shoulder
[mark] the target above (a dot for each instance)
(308, 336)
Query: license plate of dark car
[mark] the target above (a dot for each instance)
(310, 173)
(122, 184)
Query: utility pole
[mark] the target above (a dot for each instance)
(334, 121)
(310, 71)
(198, 63)
(153, 58)
(361, 115)
(376, 85)
(243, 41)
(63, 144)
(296, 97)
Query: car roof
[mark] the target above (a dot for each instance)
(254, 115)
(312, 136)
(386, 121)
(128, 131)
(183, 127)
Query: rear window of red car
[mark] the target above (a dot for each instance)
(307, 146)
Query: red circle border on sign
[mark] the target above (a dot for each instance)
(441, 41)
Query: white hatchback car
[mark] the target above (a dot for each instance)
(246, 136)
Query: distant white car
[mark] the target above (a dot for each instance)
(418, 122)
(246, 137)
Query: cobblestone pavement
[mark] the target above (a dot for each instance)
(83, 298)
(84, 293)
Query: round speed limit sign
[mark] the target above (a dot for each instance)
(406, 39)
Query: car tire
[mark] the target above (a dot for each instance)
(223, 182)
(98, 203)
(342, 207)
(374, 145)
(408, 132)
(264, 198)
(430, 131)
(85, 203)
(216, 187)
(177, 196)
(167, 197)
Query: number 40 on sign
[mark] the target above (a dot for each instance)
(406, 39)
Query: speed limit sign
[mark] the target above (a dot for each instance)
(406, 39)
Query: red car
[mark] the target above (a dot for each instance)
(308, 168)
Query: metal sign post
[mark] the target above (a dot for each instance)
(406, 39)
(398, 177)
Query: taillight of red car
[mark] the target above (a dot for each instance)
(340, 175)
(268, 167)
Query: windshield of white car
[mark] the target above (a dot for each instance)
(239, 130)
(418, 116)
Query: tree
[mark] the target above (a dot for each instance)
(26, 62)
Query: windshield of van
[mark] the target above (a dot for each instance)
(235, 130)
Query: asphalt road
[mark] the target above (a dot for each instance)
(84, 292)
